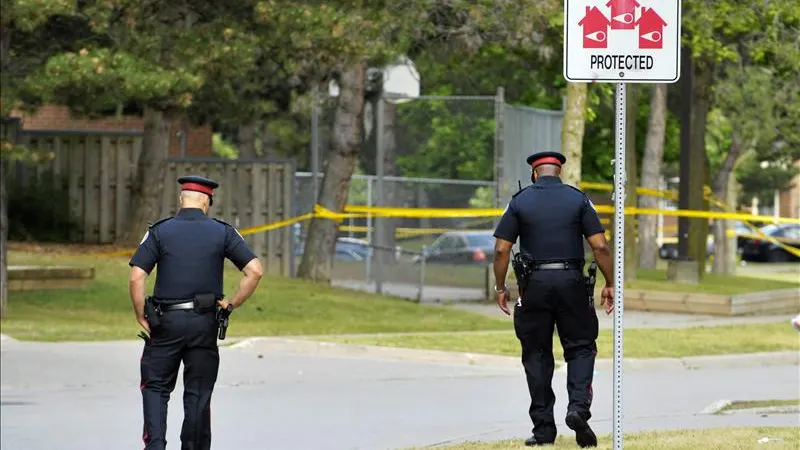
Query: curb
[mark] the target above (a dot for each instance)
(321, 348)
(716, 407)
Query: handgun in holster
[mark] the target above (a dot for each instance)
(152, 313)
(222, 318)
(523, 267)
(590, 279)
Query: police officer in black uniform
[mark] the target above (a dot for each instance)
(551, 219)
(180, 318)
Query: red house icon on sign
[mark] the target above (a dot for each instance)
(651, 29)
(595, 28)
(623, 14)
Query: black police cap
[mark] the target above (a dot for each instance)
(540, 158)
(198, 184)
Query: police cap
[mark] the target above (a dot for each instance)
(537, 159)
(199, 184)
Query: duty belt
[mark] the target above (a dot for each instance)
(175, 306)
(564, 265)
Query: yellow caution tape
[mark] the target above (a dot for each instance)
(758, 233)
(357, 211)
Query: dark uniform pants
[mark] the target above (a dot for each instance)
(556, 298)
(187, 336)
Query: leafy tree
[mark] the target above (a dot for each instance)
(160, 55)
(26, 39)
(716, 34)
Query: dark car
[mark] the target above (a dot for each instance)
(346, 250)
(670, 250)
(462, 247)
(756, 248)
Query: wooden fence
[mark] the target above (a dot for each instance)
(96, 171)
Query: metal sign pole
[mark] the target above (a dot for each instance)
(619, 259)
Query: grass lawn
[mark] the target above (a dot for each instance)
(638, 343)
(751, 404)
(280, 306)
(710, 439)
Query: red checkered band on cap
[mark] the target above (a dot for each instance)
(197, 187)
(546, 160)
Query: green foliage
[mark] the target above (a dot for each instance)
(450, 144)
(761, 179)
(41, 212)
(483, 198)
(223, 148)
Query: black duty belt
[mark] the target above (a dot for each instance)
(564, 265)
(176, 306)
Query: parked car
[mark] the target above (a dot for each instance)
(461, 247)
(347, 249)
(670, 250)
(755, 248)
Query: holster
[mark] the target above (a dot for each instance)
(522, 266)
(204, 303)
(152, 313)
(590, 280)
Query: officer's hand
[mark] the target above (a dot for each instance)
(502, 301)
(143, 323)
(607, 299)
(223, 304)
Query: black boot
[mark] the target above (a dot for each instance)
(584, 435)
(533, 442)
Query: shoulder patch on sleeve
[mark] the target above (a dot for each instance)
(230, 226)
(144, 238)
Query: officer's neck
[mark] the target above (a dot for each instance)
(548, 179)
(193, 210)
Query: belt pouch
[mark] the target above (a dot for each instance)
(205, 302)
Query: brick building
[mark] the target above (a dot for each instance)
(186, 140)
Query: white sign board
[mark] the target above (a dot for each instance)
(622, 41)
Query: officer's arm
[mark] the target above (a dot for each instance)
(244, 259)
(505, 234)
(142, 264)
(595, 234)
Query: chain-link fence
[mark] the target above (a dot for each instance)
(385, 254)
(428, 152)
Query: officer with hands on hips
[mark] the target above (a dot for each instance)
(551, 219)
(180, 318)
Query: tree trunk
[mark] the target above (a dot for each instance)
(317, 261)
(651, 176)
(385, 227)
(631, 166)
(3, 240)
(572, 132)
(698, 228)
(722, 258)
(5, 42)
(269, 142)
(150, 171)
(246, 140)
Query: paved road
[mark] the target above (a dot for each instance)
(85, 396)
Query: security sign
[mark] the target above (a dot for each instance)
(622, 41)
